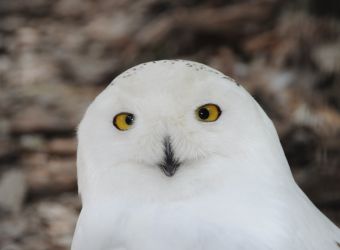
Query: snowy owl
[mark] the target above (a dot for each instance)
(174, 155)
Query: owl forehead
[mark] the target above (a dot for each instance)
(166, 66)
(169, 82)
(169, 70)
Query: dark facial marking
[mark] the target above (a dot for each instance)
(170, 163)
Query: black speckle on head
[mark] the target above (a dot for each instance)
(194, 66)
(231, 79)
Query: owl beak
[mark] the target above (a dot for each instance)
(169, 163)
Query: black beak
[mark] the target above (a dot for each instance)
(169, 164)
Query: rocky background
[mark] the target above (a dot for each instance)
(57, 55)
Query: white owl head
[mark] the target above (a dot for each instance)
(166, 122)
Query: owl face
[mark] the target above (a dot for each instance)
(164, 118)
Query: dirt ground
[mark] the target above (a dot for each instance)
(57, 55)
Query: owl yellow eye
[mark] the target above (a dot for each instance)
(123, 121)
(208, 113)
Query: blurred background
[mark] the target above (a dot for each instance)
(57, 55)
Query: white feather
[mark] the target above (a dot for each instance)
(233, 190)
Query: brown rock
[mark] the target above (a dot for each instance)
(44, 224)
(60, 223)
(321, 184)
(33, 143)
(231, 21)
(62, 146)
(8, 149)
(38, 120)
(12, 190)
(46, 176)
(327, 57)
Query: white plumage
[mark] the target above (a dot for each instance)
(233, 188)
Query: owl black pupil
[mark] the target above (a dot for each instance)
(129, 119)
(203, 113)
